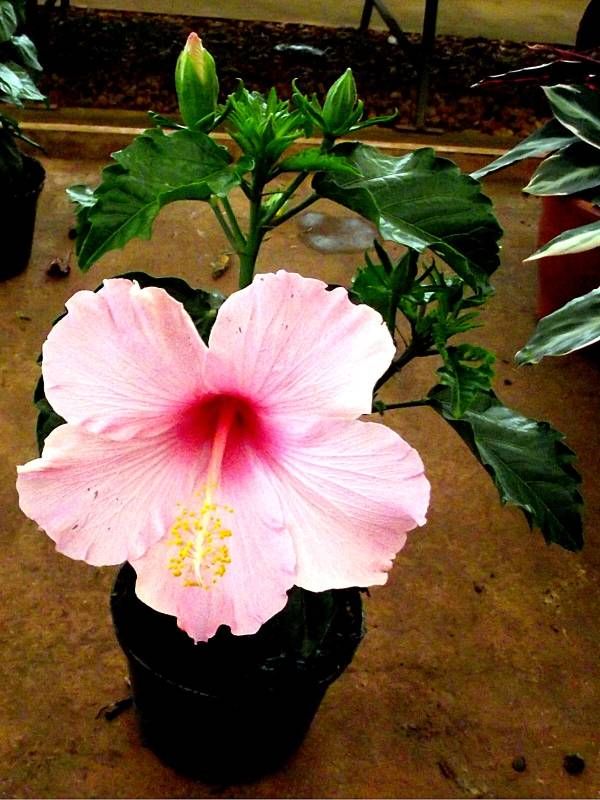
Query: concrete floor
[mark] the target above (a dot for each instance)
(541, 21)
(483, 645)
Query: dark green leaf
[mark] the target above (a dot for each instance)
(47, 419)
(527, 460)
(312, 160)
(571, 171)
(550, 137)
(8, 20)
(420, 201)
(575, 325)
(26, 51)
(467, 371)
(577, 240)
(373, 286)
(578, 108)
(16, 85)
(156, 169)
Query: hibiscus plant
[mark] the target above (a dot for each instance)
(220, 451)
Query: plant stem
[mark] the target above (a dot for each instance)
(414, 350)
(312, 198)
(407, 404)
(237, 231)
(231, 237)
(256, 231)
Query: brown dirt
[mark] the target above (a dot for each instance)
(120, 59)
(482, 647)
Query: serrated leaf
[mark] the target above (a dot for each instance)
(313, 160)
(550, 137)
(421, 201)
(575, 325)
(467, 371)
(528, 461)
(577, 240)
(373, 286)
(8, 20)
(578, 109)
(156, 169)
(572, 170)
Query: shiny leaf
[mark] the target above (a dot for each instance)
(550, 137)
(578, 109)
(528, 461)
(577, 240)
(156, 169)
(8, 20)
(570, 171)
(421, 201)
(575, 325)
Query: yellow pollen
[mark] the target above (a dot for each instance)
(197, 533)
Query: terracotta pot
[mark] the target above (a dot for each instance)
(562, 278)
(235, 707)
(17, 219)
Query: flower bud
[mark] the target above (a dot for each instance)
(196, 82)
(340, 104)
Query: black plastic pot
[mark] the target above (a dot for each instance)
(17, 219)
(235, 707)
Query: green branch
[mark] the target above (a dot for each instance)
(312, 198)
(383, 407)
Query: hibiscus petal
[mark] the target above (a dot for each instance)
(258, 576)
(123, 361)
(350, 491)
(105, 501)
(298, 349)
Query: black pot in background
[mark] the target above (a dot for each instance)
(235, 707)
(17, 219)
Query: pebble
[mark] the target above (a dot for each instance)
(573, 763)
(519, 764)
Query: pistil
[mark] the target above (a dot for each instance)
(202, 555)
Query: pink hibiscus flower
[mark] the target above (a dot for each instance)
(225, 474)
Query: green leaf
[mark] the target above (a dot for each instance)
(575, 325)
(578, 108)
(47, 419)
(571, 171)
(372, 285)
(467, 371)
(26, 51)
(16, 85)
(527, 460)
(82, 195)
(421, 201)
(312, 160)
(577, 240)
(550, 137)
(8, 20)
(156, 169)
